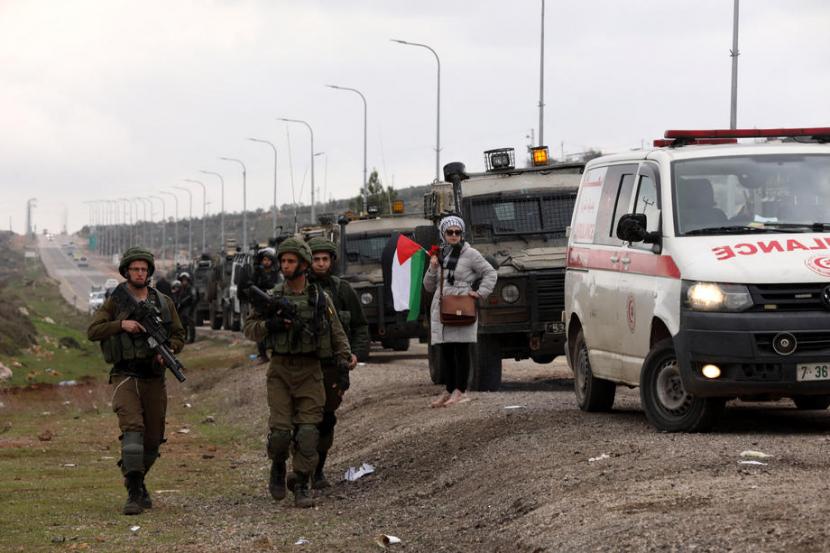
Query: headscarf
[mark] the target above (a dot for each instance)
(451, 252)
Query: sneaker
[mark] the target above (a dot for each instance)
(440, 400)
(457, 397)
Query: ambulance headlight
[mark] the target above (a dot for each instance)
(710, 296)
(366, 298)
(510, 293)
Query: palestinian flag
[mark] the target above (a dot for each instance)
(408, 265)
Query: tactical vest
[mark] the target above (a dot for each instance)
(130, 347)
(343, 314)
(313, 335)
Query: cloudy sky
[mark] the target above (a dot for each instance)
(110, 98)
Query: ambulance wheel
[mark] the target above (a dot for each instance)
(435, 373)
(667, 405)
(592, 393)
(811, 403)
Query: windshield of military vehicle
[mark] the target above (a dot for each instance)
(365, 249)
(752, 194)
(501, 216)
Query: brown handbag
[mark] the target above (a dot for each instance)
(456, 310)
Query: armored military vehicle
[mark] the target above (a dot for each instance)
(518, 219)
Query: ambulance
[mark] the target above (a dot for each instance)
(700, 272)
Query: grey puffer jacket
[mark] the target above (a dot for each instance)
(471, 266)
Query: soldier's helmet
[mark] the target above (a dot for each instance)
(296, 246)
(269, 252)
(137, 254)
(185, 275)
(320, 244)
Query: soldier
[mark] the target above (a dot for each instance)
(139, 395)
(186, 299)
(266, 276)
(350, 313)
(298, 341)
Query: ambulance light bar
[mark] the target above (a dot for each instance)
(665, 143)
(815, 132)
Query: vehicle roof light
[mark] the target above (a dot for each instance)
(397, 206)
(500, 159)
(668, 142)
(815, 132)
(539, 155)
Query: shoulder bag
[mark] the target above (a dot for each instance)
(456, 310)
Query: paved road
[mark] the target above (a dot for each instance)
(75, 282)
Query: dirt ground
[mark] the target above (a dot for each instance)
(521, 470)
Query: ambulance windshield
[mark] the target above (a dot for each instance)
(499, 216)
(744, 194)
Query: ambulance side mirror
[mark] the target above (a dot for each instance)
(632, 228)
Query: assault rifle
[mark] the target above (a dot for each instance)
(149, 316)
(277, 308)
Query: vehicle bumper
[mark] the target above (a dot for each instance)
(740, 344)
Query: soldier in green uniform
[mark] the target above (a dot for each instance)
(139, 395)
(350, 313)
(296, 396)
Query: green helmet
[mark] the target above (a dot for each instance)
(320, 244)
(137, 254)
(297, 247)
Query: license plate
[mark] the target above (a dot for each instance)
(813, 371)
(555, 328)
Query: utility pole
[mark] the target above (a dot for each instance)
(542, 81)
(733, 112)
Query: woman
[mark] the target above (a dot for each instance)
(460, 265)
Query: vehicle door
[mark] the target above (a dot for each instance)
(602, 259)
(642, 272)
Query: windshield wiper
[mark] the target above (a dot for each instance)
(732, 229)
(815, 227)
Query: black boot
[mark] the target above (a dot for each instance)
(134, 481)
(276, 484)
(319, 481)
(302, 493)
(146, 502)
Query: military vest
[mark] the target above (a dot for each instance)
(131, 347)
(313, 335)
(343, 313)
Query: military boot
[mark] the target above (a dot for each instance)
(302, 493)
(319, 481)
(146, 502)
(276, 484)
(134, 481)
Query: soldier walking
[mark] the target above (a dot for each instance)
(139, 395)
(303, 329)
(356, 327)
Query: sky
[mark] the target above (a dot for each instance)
(106, 99)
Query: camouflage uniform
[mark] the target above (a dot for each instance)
(296, 396)
(139, 393)
(336, 381)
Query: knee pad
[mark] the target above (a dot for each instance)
(327, 425)
(306, 439)
(132, 452)
(279, 441)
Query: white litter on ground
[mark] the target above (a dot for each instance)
(355, 473)
(600, 458)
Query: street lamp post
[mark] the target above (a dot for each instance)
(124, 217)
(204, 209)
(175, 222)
(189, 220)
(365, 128)
(163, 224)
(244, 200)
(222, 204)
(274, 211)
(311, 132)
(438, 104)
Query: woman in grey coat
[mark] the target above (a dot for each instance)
(462, 266)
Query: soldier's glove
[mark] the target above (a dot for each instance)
(274, 325)
(343, 382)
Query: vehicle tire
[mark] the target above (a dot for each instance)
(435, 373)
(190, 333)
(215, 319)
(543, 359)
(811, 403)
(667, 405)
(592, 393)
(485, 365)
(396, 344)
(227, 320)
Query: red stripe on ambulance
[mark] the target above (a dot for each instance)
(640, 263)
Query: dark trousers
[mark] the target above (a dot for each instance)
(455, 365)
